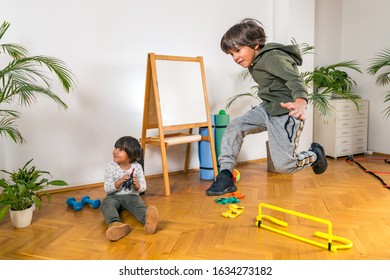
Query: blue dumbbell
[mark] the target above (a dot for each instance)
(77, 205)
(95, 203)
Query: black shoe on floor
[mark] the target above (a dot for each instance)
(222, 184)
(320, 165)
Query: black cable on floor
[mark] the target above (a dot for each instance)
(350, 158)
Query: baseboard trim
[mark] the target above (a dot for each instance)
(100, 184)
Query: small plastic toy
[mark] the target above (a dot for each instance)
(95, 203)
(345, 243)
(224, 200)
(235, 194)
(129, 183)
(77, 205)
(234, 211)
(236, 175)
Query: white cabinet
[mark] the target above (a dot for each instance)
(345, 133)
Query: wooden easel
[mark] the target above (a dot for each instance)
(175, 100)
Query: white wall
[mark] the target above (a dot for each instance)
(106, 43)
(328, 26)
(351, 29)
(366, 38)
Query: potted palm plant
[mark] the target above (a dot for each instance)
(382, 62)
(23, 191)
(331, 81)
(23, 79)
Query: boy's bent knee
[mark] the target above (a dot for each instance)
(280, 168)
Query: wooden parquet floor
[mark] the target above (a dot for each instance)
(192, 228)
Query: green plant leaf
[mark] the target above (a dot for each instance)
(37, 202)
(387, 110)
(8, 128)
(303, 47)
(320, 101)
(3, 28)
(3, 183)
(383, 79)
(58, 183)
(14, 50)
(381, 62)
(3, 210)
(26, 187)
(24, 79)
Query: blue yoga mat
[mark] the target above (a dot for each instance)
(221, 122)
(204, 153)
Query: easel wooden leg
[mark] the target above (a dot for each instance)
(188, 153)
(212, 149)
(165, 169)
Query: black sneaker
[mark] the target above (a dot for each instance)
(320, 165)
(222, 184)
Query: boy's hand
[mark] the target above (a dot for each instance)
(125, 178)
(136, 183)
(297, 108)
(120, 182)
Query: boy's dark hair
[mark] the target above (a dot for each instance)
(132, 148)
(248, 32)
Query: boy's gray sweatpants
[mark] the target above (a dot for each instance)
(112, 205)
(283, 139)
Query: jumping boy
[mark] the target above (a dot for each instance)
(274, 67)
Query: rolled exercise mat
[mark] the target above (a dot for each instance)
(221, 122)
(204, 152)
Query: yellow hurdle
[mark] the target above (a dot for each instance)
(347, 244)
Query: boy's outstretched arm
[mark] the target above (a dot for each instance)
(297, 108)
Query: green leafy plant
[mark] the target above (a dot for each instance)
(329, 80)
(381, 62)
(23, 79)
(323, 80)
(25, 188)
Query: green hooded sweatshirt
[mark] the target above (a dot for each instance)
(275, 70)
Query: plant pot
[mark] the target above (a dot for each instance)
(21, 218)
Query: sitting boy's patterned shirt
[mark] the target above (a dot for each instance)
(114, 173)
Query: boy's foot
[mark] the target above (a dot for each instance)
(320, 165)
(222, 184)
(117, 230)
(151, 219)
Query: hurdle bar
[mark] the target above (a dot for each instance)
(346, 244)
